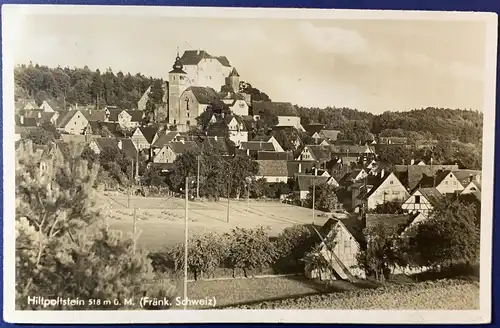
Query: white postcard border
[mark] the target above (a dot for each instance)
(483, 315)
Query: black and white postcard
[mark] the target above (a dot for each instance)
(190, 165)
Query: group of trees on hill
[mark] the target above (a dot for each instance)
(80, 86)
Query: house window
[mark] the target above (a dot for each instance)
(473, 188)
(446, 182)
(417, 199)
(188, 122)
(392, 182)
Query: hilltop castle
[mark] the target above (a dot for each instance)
(196, 81)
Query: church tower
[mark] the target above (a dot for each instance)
(234, 81)
(177, 83)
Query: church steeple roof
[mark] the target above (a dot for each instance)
(177, 67)
(234, 72)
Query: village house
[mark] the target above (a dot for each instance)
(271, 139)
(355, 175)
(144, 137)
(72, 122)
(273, 171)
(306, 181)
(388, 189)
(472, 187)
(411, 175)
(339, 249)
(422, 200)
(169, 153)
(300, 167)
(444, 181)
(46, 107)
(125, 145)
(252, 148)
(130, 119)
(315, 153)
(352, 151)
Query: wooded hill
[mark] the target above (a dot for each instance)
(83, 86)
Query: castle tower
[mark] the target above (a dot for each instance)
(234, 81)
(177, 83)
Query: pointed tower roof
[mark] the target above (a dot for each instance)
(177, 67)
(234, 72)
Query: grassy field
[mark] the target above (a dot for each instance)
(430, 295)
(161, 220)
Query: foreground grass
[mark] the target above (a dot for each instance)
(443, 294)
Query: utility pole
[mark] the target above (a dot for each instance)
(186, 242)
(198, 178)
(228, 195)
(314, 194)
(135, 231)
(137, 163)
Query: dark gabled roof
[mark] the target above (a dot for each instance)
(274, 155)
(273, 168)
(39, 116)
(273, 108)
(26, 129)
(411, 175)
(399, 221)
(65, 117)
(204, 95)
(193, 57)
(128, 146)
(465, 176)
(257, 146)
(431, 194)
(305, 181)
(376, 181)
(311, 129)
(94, 115)
(148, 133)
(113, 114)
(164, 138)
(181, 147)
(293, 167)
(330, 134)
(320, 153)
(228, 118)
(135, 115)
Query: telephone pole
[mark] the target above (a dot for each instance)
(186, 241)
(228, 195)
(198, 178)
(314, 194)
(135, 231)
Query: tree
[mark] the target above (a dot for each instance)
(287, 138)
(63, 246)
(51, 128)
(153, 177)
(325, 198)
(380, 256)
(155, 102)
(184, 166)
(241, 167)
(291, 246)
(449, 236)
(249, 249)
(205, 254)
(395, 155)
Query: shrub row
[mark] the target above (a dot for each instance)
(240, 252)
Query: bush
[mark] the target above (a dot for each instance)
(249, 249)
(290, 246)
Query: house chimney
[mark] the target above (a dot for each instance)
(120, 144)
(39, 115)
(215, 138)
(412, 162)
(471, 178)
(300, 167)
(382, 173)
(21, 119)
(90, 111)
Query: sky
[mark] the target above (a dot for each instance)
(367, 64)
